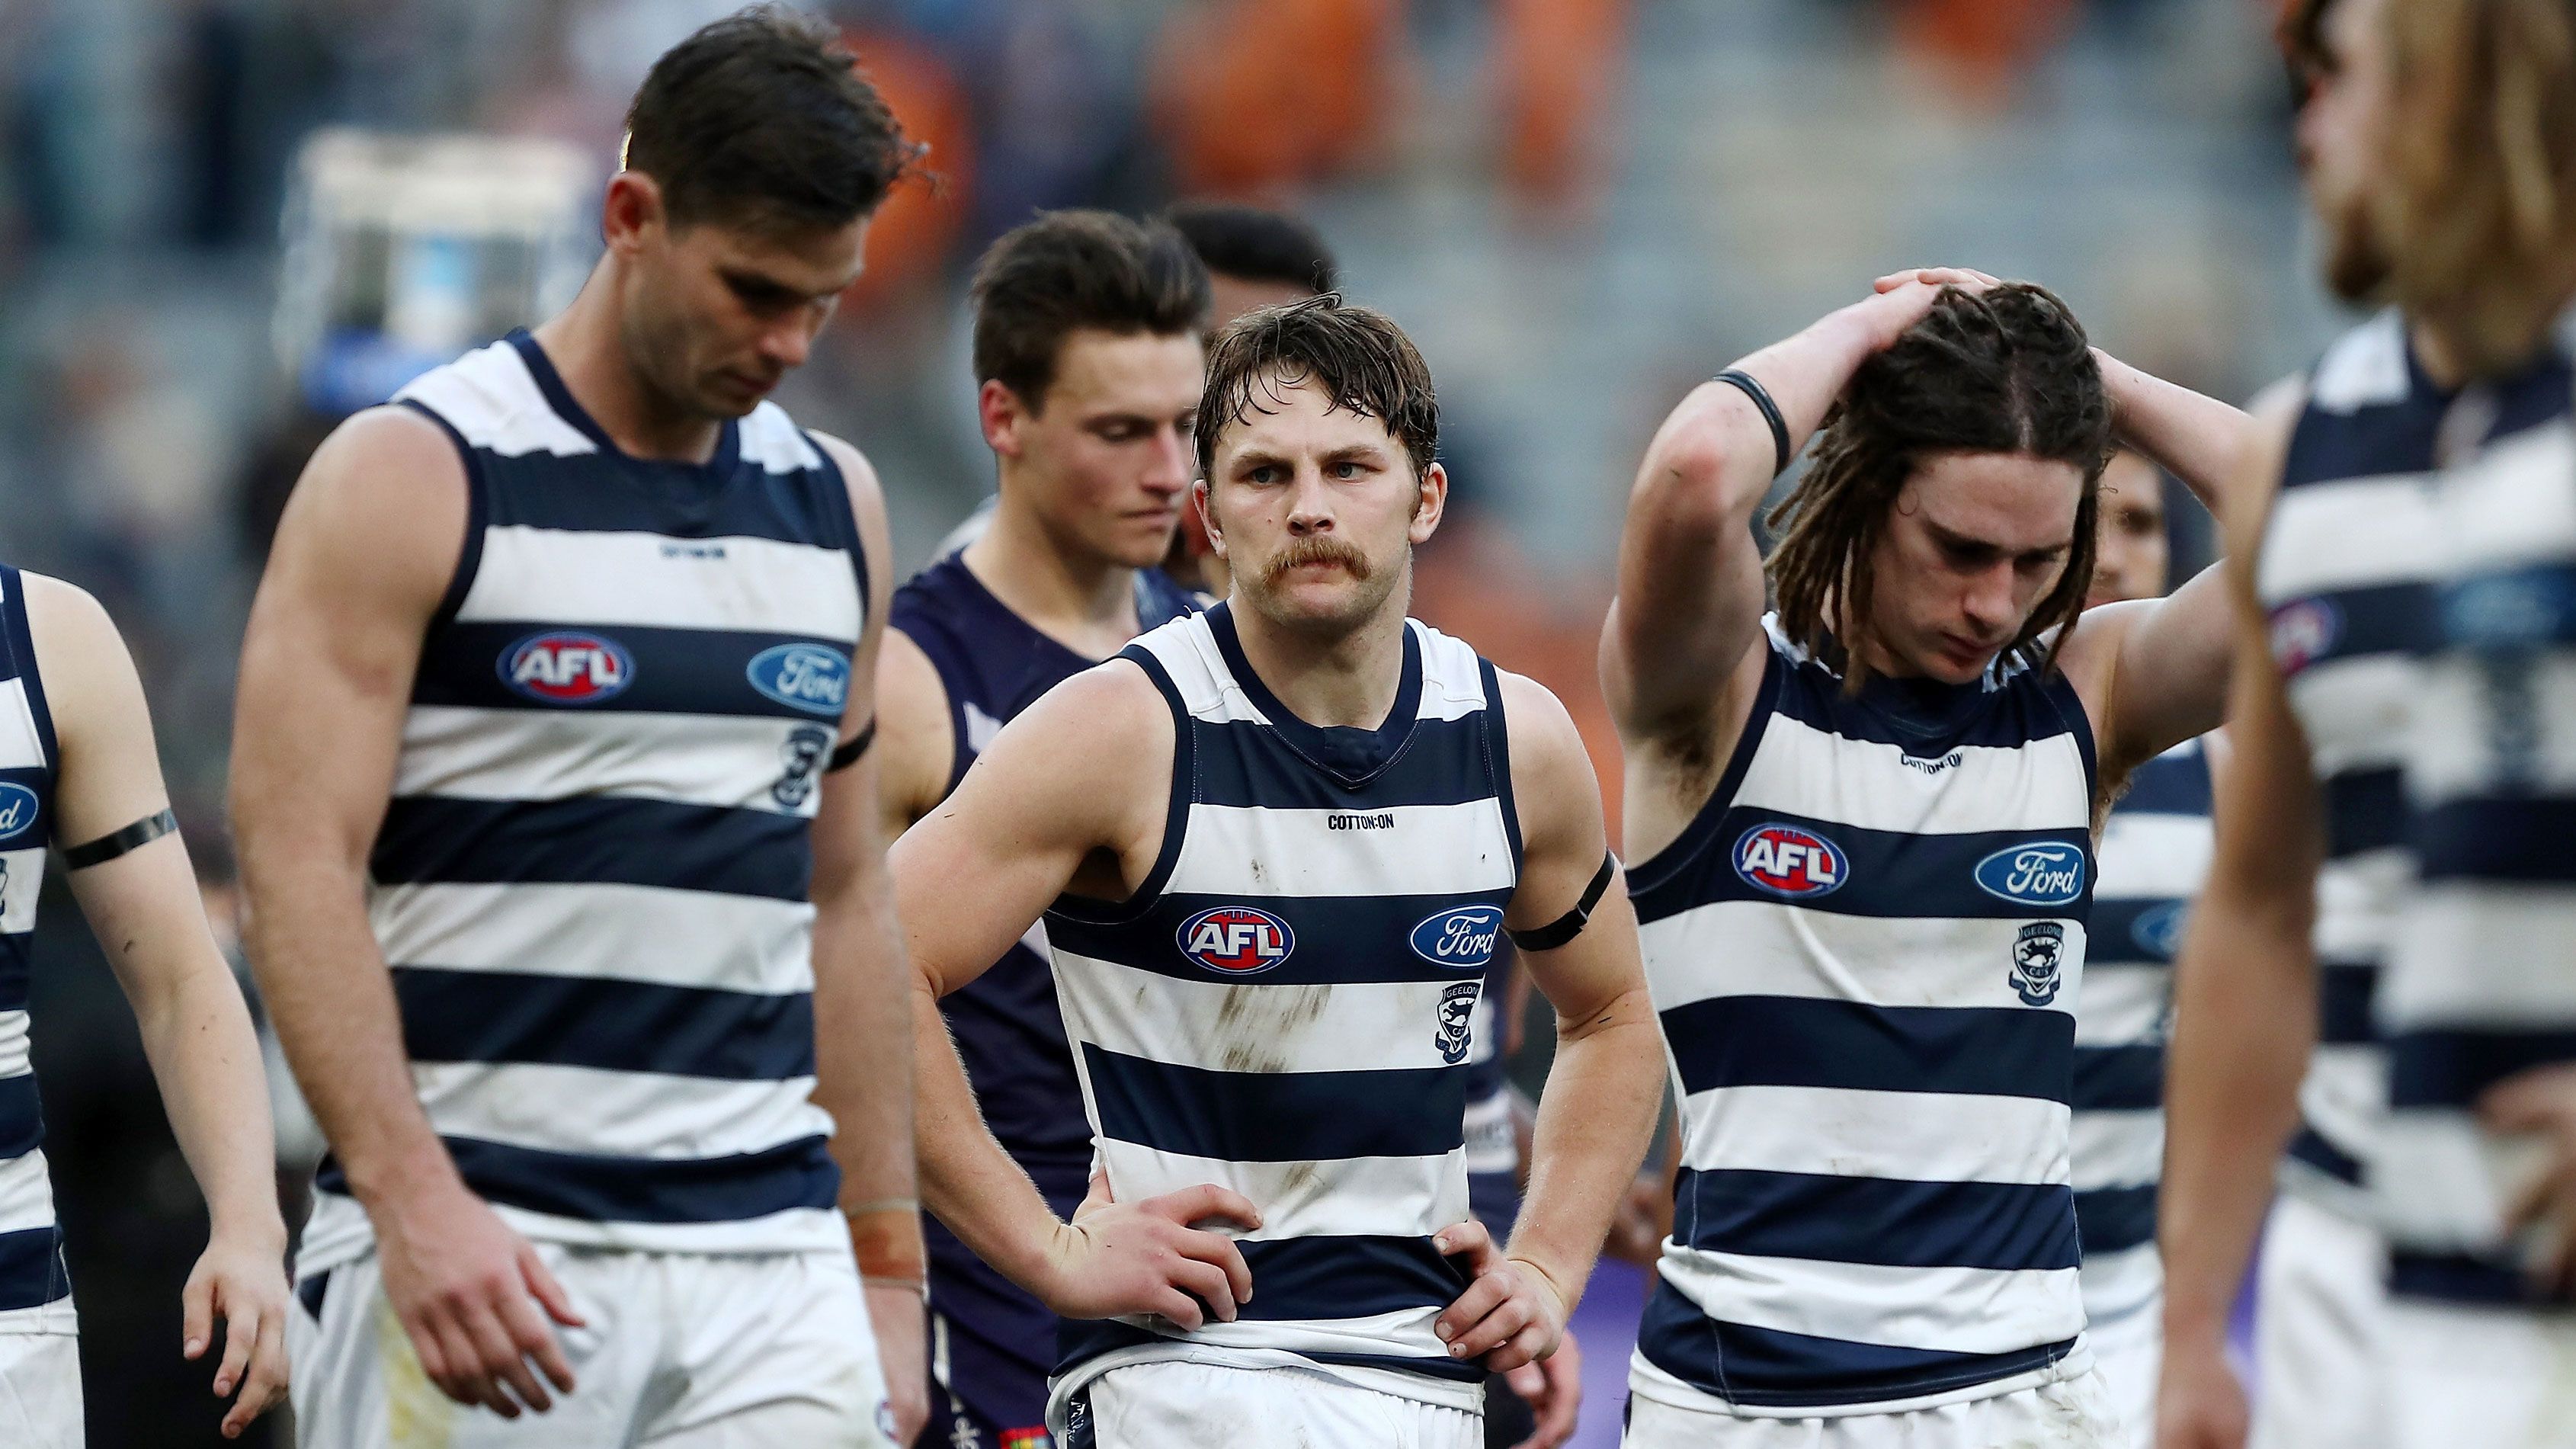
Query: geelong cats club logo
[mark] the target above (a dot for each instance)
(1236, 940)
(1457, 1009)
(568, 667)
(1786, 861)
(2036, 954)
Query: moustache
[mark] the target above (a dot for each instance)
(1319, 550)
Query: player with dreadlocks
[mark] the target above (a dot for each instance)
(1863, 824)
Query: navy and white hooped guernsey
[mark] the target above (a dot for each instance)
(2480, 983)
(1866, 952)
(31, 1243)
(2154, 856)
(2344, 573)
(592, 882)
(1283, 1007)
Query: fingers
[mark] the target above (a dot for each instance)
(1181, 1308)
(1530, 1382)
(1192, 1206)
(1482, 1296)
(1563, 1371)
(241, 1335)
(1219, 1250)
(1527, 1344)
(196, 1317)
(541, 1283)
(1207, 1283)
(533, 1337)
(502, 1360)
(1469, 1240)
(268, 1375)
(1511, 1311)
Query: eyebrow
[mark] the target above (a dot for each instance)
(762, 284)
(1966, 544)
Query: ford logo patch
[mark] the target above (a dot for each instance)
(809, 677)
(1462, 939)
(1236, 940)
(566, 666)
(2038, 874)
(1784, 860)
(17, 810)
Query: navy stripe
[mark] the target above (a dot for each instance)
(1924, 717)
(18, 651)
(1888, 874)
(2514, 609)
(2115, 1219)
(1072, 908)
(2454, 1066)
(2170, 784)
(1296, 1279)
(2310, 1147)
(2133, 930)
(1355, 756)
(1498, 736)
(2365, 810)
(1768, 1368)
(17, 968)
(1337, 940)
(2119, 1078)
(2497, 838)
(594, 840)
(625, 1026)
(1794, 1041)
(2530, 398)
(2344, 993)
(674, 671)
(1669, 875)
(1277, 1116)
(1442, 763)
(478, 514)
(2375, 620)
(797, 1174)
(2459, 1278)
(1080, 1340)
(22, 1116)
(1890, 1222)
(2373, 441)
(32, 1271)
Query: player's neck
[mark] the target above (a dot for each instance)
(1082, 601)
(583, 343)
(1348, 679)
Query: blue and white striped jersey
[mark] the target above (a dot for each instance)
(2153, 857)
(2344, 574)
(2481, 976)
(1866, 952)
(31, 1244)
(592, 881)
(1283, 1007)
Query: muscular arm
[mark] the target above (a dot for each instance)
(145, 909)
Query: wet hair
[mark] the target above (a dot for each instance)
(2004, 371)
(1070, 270)
(1356, 356)
(1253, 245)
(762, 119)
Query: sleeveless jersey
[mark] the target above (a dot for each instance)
(1009, 1033)
(1283, 1007)
(592, 881)
(1493, 1149)
(2343, 573)
(31, 1244)
(1865, 952)
(2154, 855)
(2481, 977)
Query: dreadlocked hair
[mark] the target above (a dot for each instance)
(2007, 370)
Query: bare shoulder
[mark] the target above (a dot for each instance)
(859, 476)
(916, 745)
(1544, 741)
(381, 508)
(66, 621)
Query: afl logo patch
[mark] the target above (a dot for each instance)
(1786, 861)
(1237, 940)
(2033, 875)
(1462, 939)
(17, 810)
(809, 677)
(2158, 929)
(2303, 632)
(568, 667)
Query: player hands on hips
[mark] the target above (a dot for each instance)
(1274, 846)
(1863, 830)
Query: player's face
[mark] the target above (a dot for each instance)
(1975, 541)
(1317, 511)
(718, 315)
(1106, 463)
(2342, 131)
(2129, 553)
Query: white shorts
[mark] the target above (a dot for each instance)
(40, 1382)
(679, 1351)
(1181, 1405)
(2128, 1352)
(2317, 1303)
(2494, 1378)
(2068, 1414)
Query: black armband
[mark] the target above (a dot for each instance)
(108, 847)
(1752, 387)
(1570, 925)
(847, 754)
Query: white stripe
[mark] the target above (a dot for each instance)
(1805, 771)
(2124, 1004)
(2347, 534)
(492, 401)
(2345, 1095)
(1762, 948)
(614, 1114)
(772, 440)
(2146, 854)
(15, 1043)
(602, 580)
(2441, 1183)
(22, 879)
(1251, 1026)
(2116, 1149)
(618, 932)
(1453, 683)
(26, 1196)
(2121, 1283)
(21, 748)
(1952, 1310)
(1404, 1332)
(2455, 735)
(1350, 1196)
(2354, 711)
(2365, 367)
(1917, 1136)
(338, 1232)
(2512, 503)
(1431, 850)
(2483, 954)
(729, 761)
(2357, 900)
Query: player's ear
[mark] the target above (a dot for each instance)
(1000, 412)
(630, 211)
(1203, 498)
(1430, 501)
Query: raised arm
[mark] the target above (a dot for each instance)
(143, 905)
(1070, 796)
(2245, 1007)
(862, 1024)
(1606, 1085)
(363, 556)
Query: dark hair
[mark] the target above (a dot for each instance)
(1254, 245)
(2003, 371)
(763, 118)
(1355, 356)
(1074, 269)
